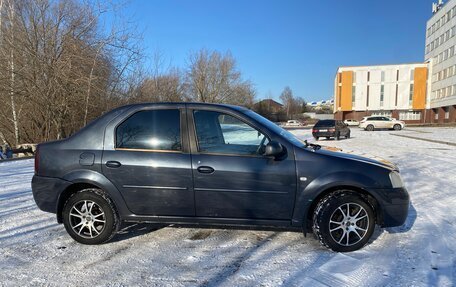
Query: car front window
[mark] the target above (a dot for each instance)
(275, 128)
(222, 133)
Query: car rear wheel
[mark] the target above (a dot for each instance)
(90, 217)
(370, 128)
(316, 138)
(343, 221)
(397, 127)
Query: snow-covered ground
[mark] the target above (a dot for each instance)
(35, 250)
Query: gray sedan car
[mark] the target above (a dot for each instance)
(193, 163)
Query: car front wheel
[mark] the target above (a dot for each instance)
(397, 127)
(343, 221)
(89, 217)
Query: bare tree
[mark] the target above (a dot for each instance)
(59, 68)
(214, 78)
(287, 99)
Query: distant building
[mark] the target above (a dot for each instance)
(321, 104)
(270, 109)
(440, 53)
(418, 93)
(397, 91)
(270, 105)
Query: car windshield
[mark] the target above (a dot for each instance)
(275, 128)
(325, 123)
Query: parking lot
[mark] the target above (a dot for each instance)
(35, 250)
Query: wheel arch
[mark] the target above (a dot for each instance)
(82, 179)
(366, 195)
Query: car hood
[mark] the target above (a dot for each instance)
(351, 155)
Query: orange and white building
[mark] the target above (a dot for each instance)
(416, 93)
(398, 91)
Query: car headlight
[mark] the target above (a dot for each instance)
(396, 179)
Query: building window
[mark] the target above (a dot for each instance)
(353, 95)
(382, 94)
(412, 73)
(410, 116)
(383, 76)
(451, 51)
(447, 113)
(411, 94)
(368, 76)
(445, 55)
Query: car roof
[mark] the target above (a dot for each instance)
(193, 104)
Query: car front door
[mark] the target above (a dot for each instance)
(232, 178)
(146, 157)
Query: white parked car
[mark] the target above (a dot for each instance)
(351, 122)
(293, 123)
(380, 122)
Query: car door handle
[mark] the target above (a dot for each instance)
(113, 164)
(205, 169)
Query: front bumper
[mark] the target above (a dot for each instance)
(394, 209)
(46, 192)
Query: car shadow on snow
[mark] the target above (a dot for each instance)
(130, 230)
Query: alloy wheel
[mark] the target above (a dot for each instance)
(349, 224)
(87, 218)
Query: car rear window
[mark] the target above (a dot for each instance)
(325, 123)
(152, 130)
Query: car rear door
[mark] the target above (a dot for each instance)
(232, 179)
(146, 156)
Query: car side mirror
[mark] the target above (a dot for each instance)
(274, 149)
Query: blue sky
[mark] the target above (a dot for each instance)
(286, 43)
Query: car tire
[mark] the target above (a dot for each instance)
(90, 217)
(339, 230)
(370, 128)
(316, 138)
(397, 127)
(328, 138)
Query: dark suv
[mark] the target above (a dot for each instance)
(330, 129)
(192, 163)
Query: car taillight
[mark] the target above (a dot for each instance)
(332, 130)
(315, 131)
(37, 159)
